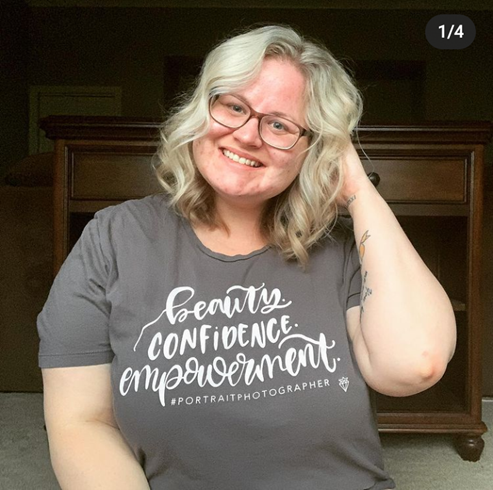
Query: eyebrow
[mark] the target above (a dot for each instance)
(275, 113)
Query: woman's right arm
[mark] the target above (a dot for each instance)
(87, 449)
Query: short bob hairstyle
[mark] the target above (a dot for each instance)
(306, 211)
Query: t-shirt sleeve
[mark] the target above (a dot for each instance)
(352, 274)
(73, 325)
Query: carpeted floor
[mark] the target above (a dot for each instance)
(417, 462)
(430, 462)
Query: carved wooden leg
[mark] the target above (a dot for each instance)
(469, 447)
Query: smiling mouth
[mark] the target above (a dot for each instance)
(244, 161)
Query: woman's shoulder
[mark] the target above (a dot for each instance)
(149, 215)
(146, 208)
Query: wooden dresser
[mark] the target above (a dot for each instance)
(431, 176)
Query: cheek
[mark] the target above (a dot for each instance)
(287, 172)
(199, 157)
(292, 166)
(201, 153)
(299, 162)
(205, 146)
(197, 148)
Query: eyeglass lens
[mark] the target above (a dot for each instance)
(276, 131)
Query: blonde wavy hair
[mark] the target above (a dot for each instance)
(306, 211)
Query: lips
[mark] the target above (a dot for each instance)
(242, 160)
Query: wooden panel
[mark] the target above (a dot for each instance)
(87, 206)
(111, 176)
(421, 179)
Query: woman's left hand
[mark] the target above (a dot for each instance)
(355, 177)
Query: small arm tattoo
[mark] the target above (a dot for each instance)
(365, 292)
(365, 289)
(350, 200)
(362, 248)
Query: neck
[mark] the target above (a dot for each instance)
(240, 220)
(243, 233)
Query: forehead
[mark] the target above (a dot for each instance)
(279, 87)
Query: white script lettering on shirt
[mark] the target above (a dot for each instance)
(254, 300)
(187, 345)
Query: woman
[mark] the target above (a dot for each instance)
(225, 334)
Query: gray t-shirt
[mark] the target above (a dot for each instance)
(227, 372)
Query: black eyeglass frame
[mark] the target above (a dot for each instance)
(259, 116)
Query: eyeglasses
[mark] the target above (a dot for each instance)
(232, 112)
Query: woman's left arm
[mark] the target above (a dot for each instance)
(404, 332)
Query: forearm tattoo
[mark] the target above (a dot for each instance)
(362, 248)
(365, 292)
(365, 289)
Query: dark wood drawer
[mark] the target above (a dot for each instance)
(111, 175)
(421, 179)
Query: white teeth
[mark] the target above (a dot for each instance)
(244, 161)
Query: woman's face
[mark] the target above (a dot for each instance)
(279, 88)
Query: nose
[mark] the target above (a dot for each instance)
(249, 134)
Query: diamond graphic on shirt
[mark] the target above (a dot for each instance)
(344, 383)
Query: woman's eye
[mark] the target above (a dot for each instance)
(278, 126)
(237, 108)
